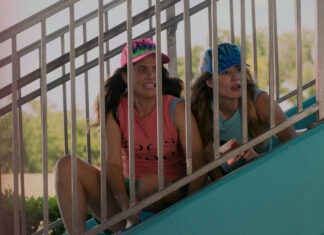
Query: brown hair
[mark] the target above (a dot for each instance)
(202, 97)
(116, 88)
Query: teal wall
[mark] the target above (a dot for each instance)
(280, 193)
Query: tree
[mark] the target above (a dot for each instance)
(32, 138)
(197, 52)
(6, 143)
(287, 59)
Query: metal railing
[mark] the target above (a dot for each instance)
(165, 33)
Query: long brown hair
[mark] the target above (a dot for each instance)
(116, 88)
(202, 98)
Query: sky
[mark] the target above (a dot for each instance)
(15, 11)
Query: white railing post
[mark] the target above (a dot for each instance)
(319, 55)
(15, 137)
(43, 83)
(214, 34)
(101, 62)
(74, 169)
(271, 65)
(299, 54)
(172, 43)
(243, 74)
(130, 96)
(188, 72)
(254, 43)
(159, 96)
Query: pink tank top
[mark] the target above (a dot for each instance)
(145, 132)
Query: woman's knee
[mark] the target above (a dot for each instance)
(63, 165)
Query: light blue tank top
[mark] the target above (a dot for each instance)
(232, 128)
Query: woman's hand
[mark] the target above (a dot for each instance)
(248, 155)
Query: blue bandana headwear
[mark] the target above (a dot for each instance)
(228, 55)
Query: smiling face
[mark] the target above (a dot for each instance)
(229, 83)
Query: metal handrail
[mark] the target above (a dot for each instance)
(201, 171)
(93, 43)
(111, 33)
(49, 11)
(56, 63)
(7, 33)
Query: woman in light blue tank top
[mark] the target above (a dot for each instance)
(230, 119)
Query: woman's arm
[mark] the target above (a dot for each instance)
(114, 162)
(198, 154)
(115, 176)
(262, 108)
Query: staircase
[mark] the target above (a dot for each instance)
(280, 193)
(277, 194)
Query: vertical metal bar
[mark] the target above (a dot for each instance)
(107, 43)
(86, 98)
(150, 19)
(130, 85)
(44, 125)
(245, 137)
(101, 63)
(210, 26)
(159, 95)
(188, 71)
(254, 44)
(214, 31)
(271, 62)
(74, 169)
(299, 55)
(22, 161)
(172, 43)
(276, 78)
(65, 122)
(22, 176)
(232, 21)
(319, 56)
(15, 137)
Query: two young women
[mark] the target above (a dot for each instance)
(174, 146)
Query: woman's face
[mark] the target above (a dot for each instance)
(144, 75)
(229, 83)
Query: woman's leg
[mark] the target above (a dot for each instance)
(149, 185)
(88, 190)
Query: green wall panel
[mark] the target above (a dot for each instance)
(280, 193)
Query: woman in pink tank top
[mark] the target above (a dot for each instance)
(145, 143)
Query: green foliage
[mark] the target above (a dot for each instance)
(32, 128)
(34, 213)
(31, 123)
(197, 51)
(6, 143)
(287, 65)
(32, 139)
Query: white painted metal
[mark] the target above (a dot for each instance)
(43, 82)
(188, 74)
(74, 169)
(104, 39)
(319, 55)
(159, 96)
